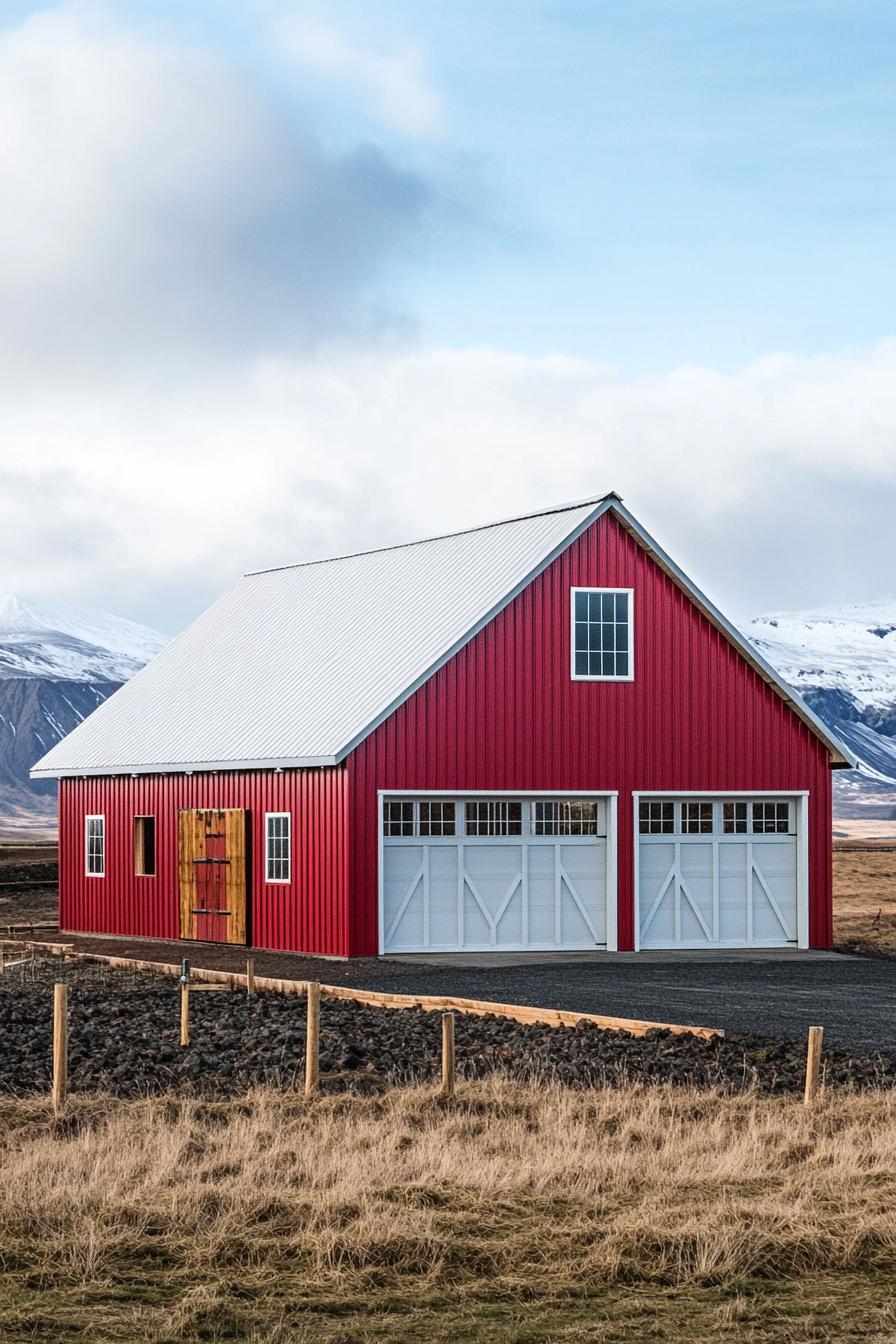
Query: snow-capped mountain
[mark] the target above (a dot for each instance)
(56, 665)
(842, 660)
(71, 643)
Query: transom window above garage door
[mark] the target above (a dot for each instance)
(719, 817)
(479, 818)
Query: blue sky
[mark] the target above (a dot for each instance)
(364, 271)
(643, 183)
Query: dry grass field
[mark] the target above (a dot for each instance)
(865, 897)
(513, 1214)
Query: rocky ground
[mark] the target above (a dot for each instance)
(124, 1040)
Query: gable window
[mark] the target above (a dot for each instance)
(95, 846)
(144, 846)
(277, 826)
(602, 648)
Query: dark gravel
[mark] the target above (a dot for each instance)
(124, 1039)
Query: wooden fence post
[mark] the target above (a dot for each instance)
(447, 1054)
(185, 1002)
(250, 975)
(60, 1047)
(813, 1062)
(312, 1039)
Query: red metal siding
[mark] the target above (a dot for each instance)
(505, 714)
(309, 914)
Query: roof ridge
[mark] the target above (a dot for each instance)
(442, 536)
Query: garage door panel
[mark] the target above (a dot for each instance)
(583, 904)
(533, 890)
(403, 896)
(442, 895)
(541, 894)
(717, 888)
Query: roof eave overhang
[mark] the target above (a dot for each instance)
(187, 768)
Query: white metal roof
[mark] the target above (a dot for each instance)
(295, 666)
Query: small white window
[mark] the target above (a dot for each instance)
(95, 846)
(494, 818)
(277, 846)
(436, 819)
(601, 642)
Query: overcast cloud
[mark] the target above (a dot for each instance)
(204, 367)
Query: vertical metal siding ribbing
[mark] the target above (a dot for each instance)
(307, 914)
(505, 714)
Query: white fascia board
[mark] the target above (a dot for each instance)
(185, 768)
(841, 755)
(602, 507)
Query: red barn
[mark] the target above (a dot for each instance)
(531, 735)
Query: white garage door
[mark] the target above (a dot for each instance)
(718, 873)
(487, 874)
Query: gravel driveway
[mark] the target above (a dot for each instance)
(853, 998)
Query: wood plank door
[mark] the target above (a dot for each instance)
(212, 867)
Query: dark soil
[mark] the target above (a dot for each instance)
(124, 1039)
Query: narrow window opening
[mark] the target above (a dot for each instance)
(144, 846)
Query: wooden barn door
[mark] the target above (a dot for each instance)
(212, 852)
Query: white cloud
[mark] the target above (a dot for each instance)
(774, 486)
(155, 198)
(396, 87)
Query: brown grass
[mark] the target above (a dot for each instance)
(865, 898)
(516, 1213)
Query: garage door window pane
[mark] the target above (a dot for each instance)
(771, 818)
(494, 818)
(696, 818)
(398, 818)
(734, 818)
(559, 817)
(436, 818)
(657, 818)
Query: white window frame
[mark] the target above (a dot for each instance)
(799, 798)
(268, 857)
(587, 676)
(94, 816)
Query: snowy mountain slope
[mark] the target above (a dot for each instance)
(56, 665)
(71, 643)
(842, 660)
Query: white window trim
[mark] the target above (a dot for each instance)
(93, 816)
(586, 676)
(278, 881)
(800, 799)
